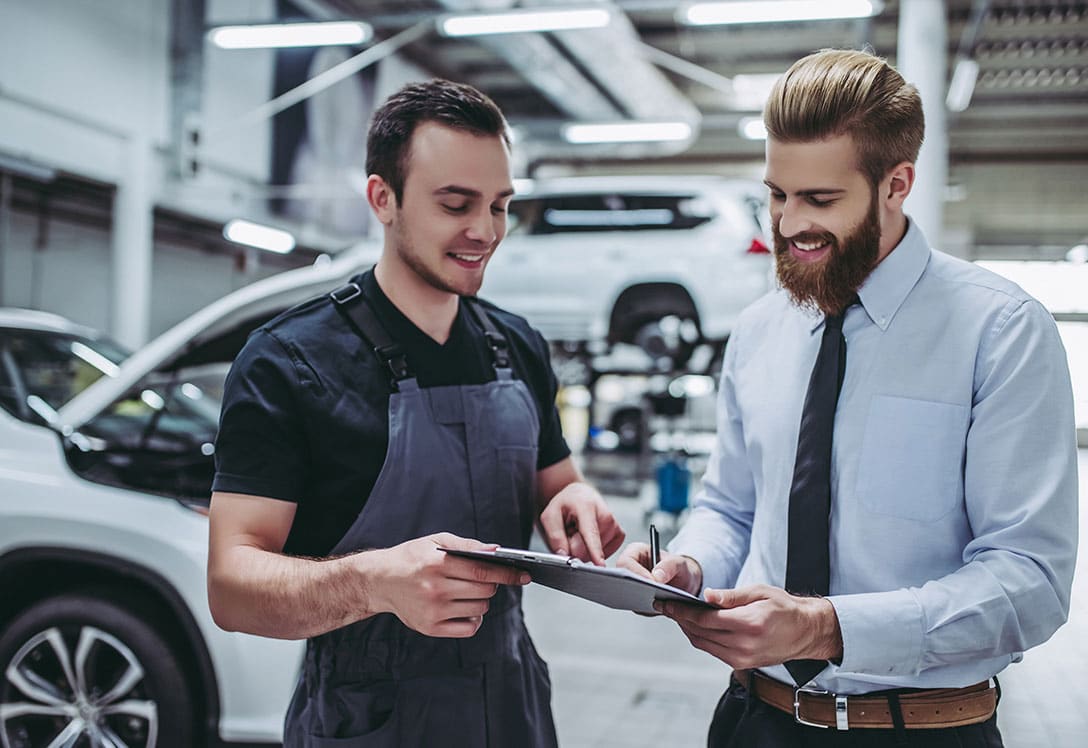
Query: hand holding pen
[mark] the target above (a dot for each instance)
(650, 562)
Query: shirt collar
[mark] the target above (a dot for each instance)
(886, 288)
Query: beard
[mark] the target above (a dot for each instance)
(830, 286)
(407, 253)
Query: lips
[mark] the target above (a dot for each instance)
(810, 250)
(468, 260)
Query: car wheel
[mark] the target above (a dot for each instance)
(629, 425)
(81, 670)
(669, 340)
(661, 319)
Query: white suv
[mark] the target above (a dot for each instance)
(602, 260)
(105, 473)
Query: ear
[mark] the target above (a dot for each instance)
(381, 198)
(897, 185)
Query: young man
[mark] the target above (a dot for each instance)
(365, 431)
(928, 531)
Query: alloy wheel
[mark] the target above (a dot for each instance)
(76, 687)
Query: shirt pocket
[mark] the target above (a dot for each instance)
(912, 458)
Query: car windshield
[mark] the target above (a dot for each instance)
(40, 371)
(157, 437)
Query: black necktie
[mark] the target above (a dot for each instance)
(808, 564)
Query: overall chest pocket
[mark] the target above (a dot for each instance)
(912, 458)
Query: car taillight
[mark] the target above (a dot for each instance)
(757, 247)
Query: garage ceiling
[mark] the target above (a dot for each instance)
(1018, 153)
(1030, 102)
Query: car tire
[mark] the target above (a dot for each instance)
(629, 425)
(88, 662)
(662, 321)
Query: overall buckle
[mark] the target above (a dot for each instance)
(346, 293)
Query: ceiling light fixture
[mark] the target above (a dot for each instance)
(964, 77)
(776, 11)
(522, 21)
(256, 235)
(626, 132)
(752, 128)
(261, 36)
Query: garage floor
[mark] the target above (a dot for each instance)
(623, 680)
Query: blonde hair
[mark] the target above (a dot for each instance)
(845, 92)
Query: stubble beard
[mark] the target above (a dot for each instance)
(407, 253)
(830, 286)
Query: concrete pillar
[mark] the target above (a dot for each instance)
(130, 297)
(922, 59)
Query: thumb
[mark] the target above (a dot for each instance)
(449, 540)
(733, 598)
(668, 568)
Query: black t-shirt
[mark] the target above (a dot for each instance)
(306, 407)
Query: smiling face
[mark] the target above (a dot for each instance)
(826, 219)
(452, 214)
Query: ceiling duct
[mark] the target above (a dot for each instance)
(595, 75)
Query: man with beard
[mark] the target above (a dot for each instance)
(364, 431)
(889, 516)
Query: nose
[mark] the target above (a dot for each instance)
(792, 219)
(481, 228)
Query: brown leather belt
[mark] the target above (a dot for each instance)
(924, 709)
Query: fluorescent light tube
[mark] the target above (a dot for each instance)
(291, 35)
(478, 24)
(752, 128)
(626, 132)
(776, 11)
(962, 86)
(262, 237)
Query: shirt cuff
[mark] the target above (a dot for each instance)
(882, 632)
(709, 558)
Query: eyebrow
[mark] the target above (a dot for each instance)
(453, 189)
(806, 193)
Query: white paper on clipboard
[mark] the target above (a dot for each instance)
(606, 585)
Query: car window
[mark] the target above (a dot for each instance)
(42, 371)
(158, 437)
(609, 212)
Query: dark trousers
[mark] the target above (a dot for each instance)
(741, 721)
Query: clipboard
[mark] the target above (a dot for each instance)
(606, 585)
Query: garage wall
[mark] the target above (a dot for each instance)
(63, 269)
(79, 81)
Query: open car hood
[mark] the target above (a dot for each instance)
(196, 339)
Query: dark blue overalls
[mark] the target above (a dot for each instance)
(461, 459)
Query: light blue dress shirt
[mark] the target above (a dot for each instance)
(953, 478)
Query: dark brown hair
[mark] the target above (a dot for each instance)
(456, 105)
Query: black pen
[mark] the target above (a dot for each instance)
(655, 546)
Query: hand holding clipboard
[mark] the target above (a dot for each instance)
(613, 587)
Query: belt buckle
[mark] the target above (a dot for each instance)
(841, 720)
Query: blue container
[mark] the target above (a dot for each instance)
(673, 483)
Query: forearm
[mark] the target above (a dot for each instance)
(983, 611)
(823, 628)
(269, 594)
(716, 540)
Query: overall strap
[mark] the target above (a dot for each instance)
(352, 304)
(500, 355)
